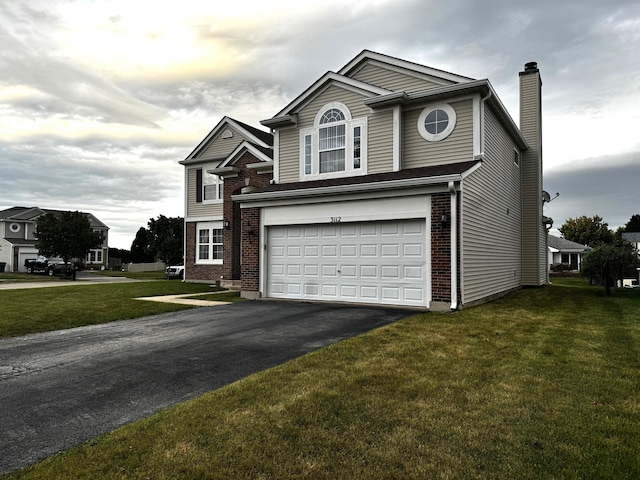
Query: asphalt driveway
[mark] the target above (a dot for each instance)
(60, 389)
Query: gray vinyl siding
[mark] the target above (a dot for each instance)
(492, 219)
(195, 209)
(221, 147)
(380, 146)
(534, 248)
(290, 138)
(457, 147)
(391, 79)
(289, 161)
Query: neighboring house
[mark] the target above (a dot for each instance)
(387, 182)
(566, 253)
(634, 239)
(18, 243)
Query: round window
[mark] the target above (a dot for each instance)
(436, 122)
(14, 227)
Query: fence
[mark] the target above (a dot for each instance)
(143, 267)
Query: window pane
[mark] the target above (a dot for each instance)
(436, 121)
(217, 252)
(203, 252)
(307, 154)
(217, 236)
(210, 192)
(332, 161)
(332, 137)
(332, 115)
(203, 236)
(356, 147)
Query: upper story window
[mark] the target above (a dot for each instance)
(335, 146)
(436, 122)
(212, 188)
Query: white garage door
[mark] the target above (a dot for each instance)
(25, 254)
(372, 262)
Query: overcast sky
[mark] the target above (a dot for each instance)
(100, 99)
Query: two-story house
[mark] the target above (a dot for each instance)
(386, 182)
(18, 242)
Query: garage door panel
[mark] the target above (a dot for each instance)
(372, 262)
(391, 250)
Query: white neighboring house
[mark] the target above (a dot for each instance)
(18, 243)
(634, 239)
(567, 253)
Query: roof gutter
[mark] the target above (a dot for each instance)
(346, 189)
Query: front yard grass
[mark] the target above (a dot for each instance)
(542, 383)
(54, 308)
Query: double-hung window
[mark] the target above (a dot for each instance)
(209, 246)
(212, 188)
(335, 146)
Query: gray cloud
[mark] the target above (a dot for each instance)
(586, 49)
(605, 186)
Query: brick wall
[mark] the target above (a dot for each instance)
(210, 273)
(250, 250)
(441, 248)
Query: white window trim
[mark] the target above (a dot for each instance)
(431, 137)
(207, 226)
(97, 252)
(219, 187)
(351, 124)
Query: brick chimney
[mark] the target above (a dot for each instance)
(534, 242)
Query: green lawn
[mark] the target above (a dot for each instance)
(54, 308)
(543, 383)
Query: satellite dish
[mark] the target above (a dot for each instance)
(546, 197)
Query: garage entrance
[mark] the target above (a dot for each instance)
(381, 262)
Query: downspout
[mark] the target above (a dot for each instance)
(454, 246)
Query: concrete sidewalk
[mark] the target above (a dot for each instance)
(82, 278)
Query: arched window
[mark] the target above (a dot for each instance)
(334, 147)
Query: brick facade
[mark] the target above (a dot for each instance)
(441, 248)
(193, 271)
(234, 227)
(250, 250)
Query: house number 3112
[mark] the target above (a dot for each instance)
(336, 219)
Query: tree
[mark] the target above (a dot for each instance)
(633, 225)
(67, 235)
(591, 231)
(606, 264)
(166, 238)
(141, 247)
(161, 241)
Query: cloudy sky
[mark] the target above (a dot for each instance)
(99, 99)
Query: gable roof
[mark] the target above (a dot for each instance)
(31, 214)
(564, 245)
(368, 56)
(256, 136)
(328, 79)
(450, 85)
(343, 78)
(227, 167)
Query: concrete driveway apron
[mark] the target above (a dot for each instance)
(60, 389)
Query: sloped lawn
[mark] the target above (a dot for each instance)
(544, 383)
(34, 310)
